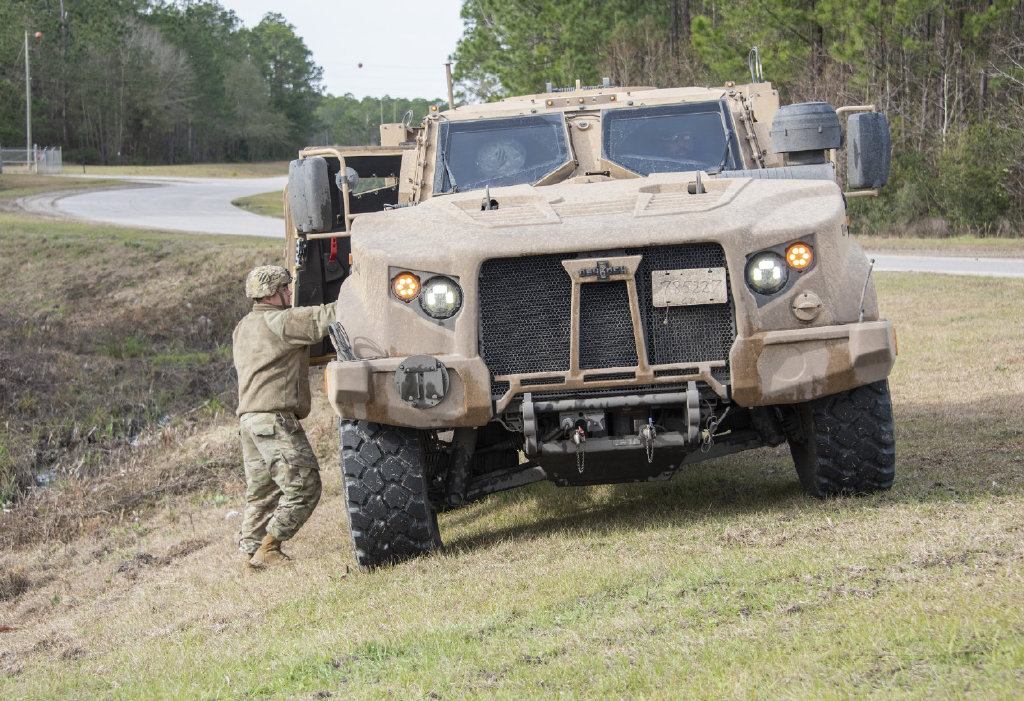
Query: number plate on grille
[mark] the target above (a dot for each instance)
(682, 288)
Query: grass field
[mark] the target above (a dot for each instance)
(14, 186)
(106, 335)
(267, 204)
(950, 246)
(726, 582)
(190, 170)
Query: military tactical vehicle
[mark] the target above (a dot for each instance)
(593, 285)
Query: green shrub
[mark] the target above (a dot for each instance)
(972, 172)
(972, 185)
(908, 197)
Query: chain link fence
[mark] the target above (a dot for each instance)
(47, 161)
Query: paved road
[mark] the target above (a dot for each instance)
(204, 205)
(201, 205)
(952, 265)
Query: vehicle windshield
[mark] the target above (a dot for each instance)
(670, 138)
(496, 152)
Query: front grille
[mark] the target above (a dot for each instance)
(606, 391)
(606, 328)
(695, 333)
(525, 308)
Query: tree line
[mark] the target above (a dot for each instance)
(154, 81)
(948, 73)
(171, 81)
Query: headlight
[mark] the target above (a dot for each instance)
(767, 273)
(441, 297)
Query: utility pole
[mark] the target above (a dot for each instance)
(30, 156)
(28, 111)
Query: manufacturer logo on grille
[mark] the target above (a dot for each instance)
(598, 270)
(603, 270)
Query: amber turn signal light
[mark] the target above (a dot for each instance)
(799, 256)
(406, 286)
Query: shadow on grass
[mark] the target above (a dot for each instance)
(763, 480)
(944, 453)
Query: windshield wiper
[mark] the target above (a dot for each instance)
(722, 160)
(448, 170)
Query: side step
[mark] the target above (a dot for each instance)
(524, 474)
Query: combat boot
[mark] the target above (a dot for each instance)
(268, 554)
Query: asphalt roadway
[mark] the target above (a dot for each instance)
(197, 205)
(203, 205)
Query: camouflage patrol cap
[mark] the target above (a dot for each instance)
(265, 280)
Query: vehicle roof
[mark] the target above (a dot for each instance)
(585, 100)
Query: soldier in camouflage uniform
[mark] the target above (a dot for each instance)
(270, 351)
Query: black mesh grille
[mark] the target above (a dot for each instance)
(606, 327)
(525, 306)
(601, 377)
(608, 391)
(697, 333)
(538, 381)
(525, 315)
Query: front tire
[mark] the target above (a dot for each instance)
(844, 443)
(386, 493)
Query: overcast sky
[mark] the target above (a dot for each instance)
(402, 45)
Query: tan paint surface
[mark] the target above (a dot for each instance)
(782, 353)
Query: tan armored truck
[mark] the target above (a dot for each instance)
(593, 285)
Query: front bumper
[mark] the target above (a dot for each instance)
(365, 389)
(786, 367)
(773, 367)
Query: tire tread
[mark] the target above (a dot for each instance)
(390, 516)
(847, 444)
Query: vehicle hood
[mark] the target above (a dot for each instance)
(598, 215)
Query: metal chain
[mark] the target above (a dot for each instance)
(647, 435)
(579, 438)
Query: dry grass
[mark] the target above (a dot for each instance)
(267, 204)
(101, 359)
(724, 582)
(189, 170)
(951, 246)
(13, 582)
(13, 186)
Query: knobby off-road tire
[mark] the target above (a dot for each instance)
(844, 444)
(389, 513)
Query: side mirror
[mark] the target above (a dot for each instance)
(868, 154)
(309, 195)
